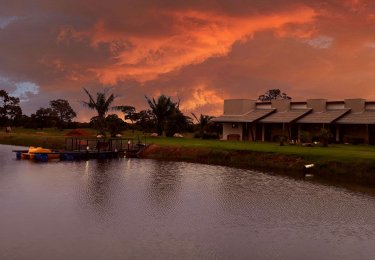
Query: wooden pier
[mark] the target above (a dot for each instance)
(84, 149)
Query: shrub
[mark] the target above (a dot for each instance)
(325, 135)
(305, 136)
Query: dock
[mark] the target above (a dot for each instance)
(84, 149)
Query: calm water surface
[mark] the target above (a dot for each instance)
(146, 209)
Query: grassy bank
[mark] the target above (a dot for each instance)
(317, 153)
(336, 162)
(344, 163)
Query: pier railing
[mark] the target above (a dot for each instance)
(104, 144)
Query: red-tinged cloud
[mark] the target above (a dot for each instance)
(200, 52)
(193, 37)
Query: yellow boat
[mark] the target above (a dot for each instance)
(39, 151)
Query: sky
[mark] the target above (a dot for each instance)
(198, 52)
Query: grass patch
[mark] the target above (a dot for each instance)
(346, 153)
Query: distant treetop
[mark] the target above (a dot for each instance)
(273, 94)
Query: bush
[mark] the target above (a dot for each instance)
(210, 136)
(355, 141)
(325, 135)
(197, 135)
(279, 138)
(305, 136)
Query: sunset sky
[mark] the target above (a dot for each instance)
(200, 51)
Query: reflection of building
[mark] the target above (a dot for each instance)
(351, 120)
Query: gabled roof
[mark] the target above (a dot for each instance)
(249, 117)
(286, 116)
(365, 117)
(324, 117)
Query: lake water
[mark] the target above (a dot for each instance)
(146, 209)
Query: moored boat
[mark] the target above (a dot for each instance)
(40, 154)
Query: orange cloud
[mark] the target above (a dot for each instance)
(201, 95)
(194, 37)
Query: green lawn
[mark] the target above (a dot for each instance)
(53, 138)
(331, 153)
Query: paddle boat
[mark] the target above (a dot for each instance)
(40, 154)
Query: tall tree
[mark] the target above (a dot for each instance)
(162, 109)
(114, 124)
(202, 121)
(145, 119)
(44, 117)
(9, 108)
(178, 123)
(273, 94)
(64, 111)
(129, 113)
(101, 104)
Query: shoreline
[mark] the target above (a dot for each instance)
(362, 173)
(341, 164)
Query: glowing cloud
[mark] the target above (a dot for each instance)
(202, 96)
(194, 37)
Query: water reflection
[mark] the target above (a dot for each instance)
(164, 185)
(236, 189)
(100, 186)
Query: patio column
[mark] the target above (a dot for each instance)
(263, 133)
(337, 133)
(290, 131)
(252, 132)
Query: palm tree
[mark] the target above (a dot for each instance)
(177, 123)
(101, 104)
(162, 109)
(203, 121)
(129, 113)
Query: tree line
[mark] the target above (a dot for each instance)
(163, 116)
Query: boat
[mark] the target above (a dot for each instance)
(40, 154)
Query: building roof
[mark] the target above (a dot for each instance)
(324, 117)
(286, 116)
(365, 117)
(249, 117)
